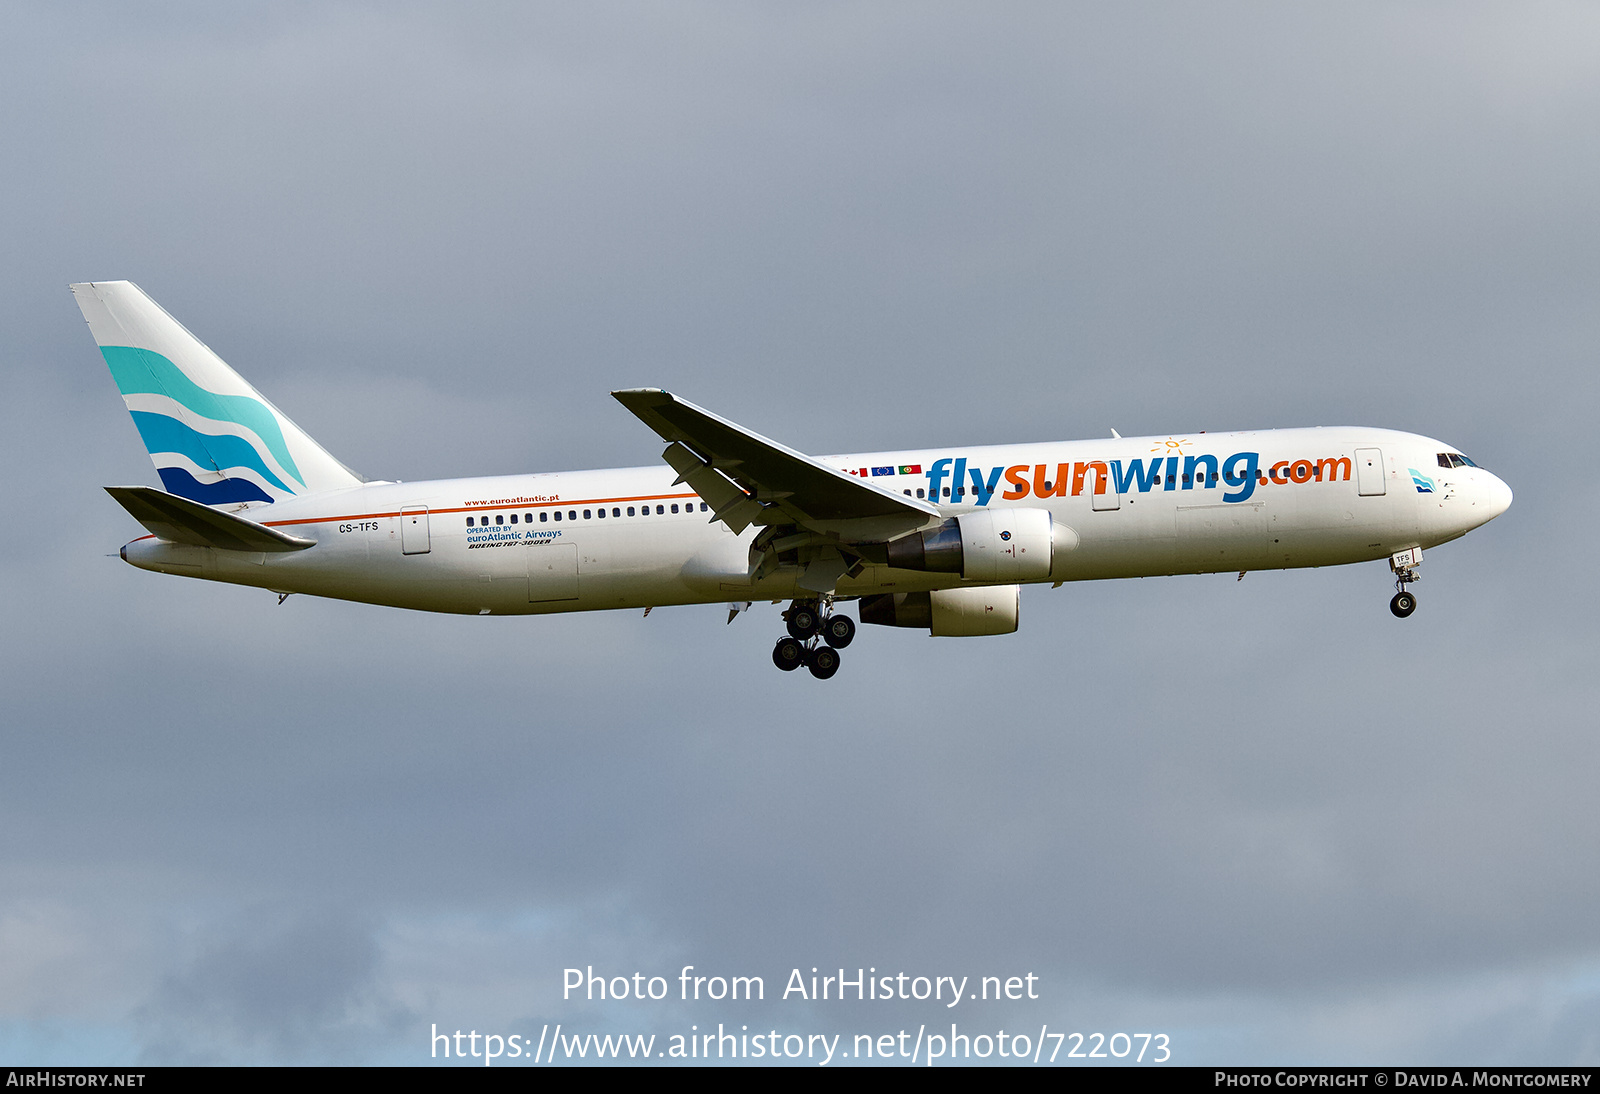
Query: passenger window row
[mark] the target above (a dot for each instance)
(588, 514)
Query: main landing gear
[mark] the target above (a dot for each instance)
(816, 635)
(1405, 566)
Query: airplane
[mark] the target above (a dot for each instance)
(939, 539)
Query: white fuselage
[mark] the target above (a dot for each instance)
(1126, 507)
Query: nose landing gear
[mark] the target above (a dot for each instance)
(806, 620)
(1404, 566)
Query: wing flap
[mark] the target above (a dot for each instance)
(732, 505)
(179, 520)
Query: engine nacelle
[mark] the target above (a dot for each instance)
(948, 613)
(986, 545)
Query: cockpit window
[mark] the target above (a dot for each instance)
(1454, 459)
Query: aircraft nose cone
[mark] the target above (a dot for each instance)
(1497, 497)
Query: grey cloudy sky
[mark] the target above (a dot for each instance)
(1264, 817)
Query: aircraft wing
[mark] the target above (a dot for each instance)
(748, 479)
(816, 518)
(180, 520)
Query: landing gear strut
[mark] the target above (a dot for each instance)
(1404, 566)
(806, 620)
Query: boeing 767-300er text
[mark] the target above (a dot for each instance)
(940, 539)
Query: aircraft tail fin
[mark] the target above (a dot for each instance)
(214, 438)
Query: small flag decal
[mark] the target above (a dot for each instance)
(911, 469)
(883, 471)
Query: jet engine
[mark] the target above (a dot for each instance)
(948, 613)
(986, 545)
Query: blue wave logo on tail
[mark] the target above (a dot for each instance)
(177, 480)
(1423, 484)
(145, 372)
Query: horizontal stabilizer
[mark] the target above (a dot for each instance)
(180, 520)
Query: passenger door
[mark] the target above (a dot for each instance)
(1369, 472)
(414, 530)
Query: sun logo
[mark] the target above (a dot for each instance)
(1171, 446)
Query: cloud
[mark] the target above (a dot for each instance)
(1263, 812)
(272, 989)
